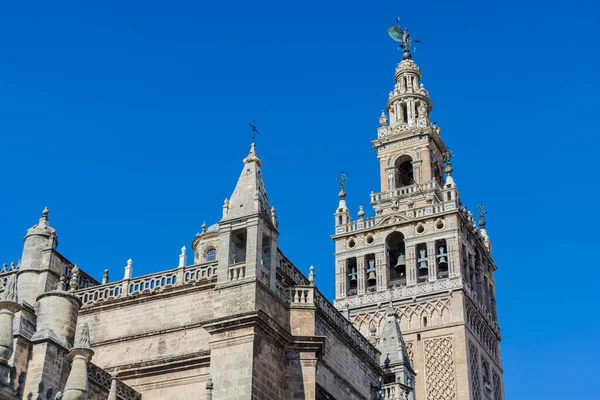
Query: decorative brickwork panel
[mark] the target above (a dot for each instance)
(474, 371)
(440, 373)
(497, 387)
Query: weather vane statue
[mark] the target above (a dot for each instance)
(402, 36)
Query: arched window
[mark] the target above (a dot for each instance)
(352, 274)
(211, 255)
(422, 263)
(396, 258)
(404, 171)
(441, 258)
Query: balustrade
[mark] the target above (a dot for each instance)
(300, 295)
(236, 272)
(392, 391)
(147, 283)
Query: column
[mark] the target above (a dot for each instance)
(341, 278)
(411, 264)
(381, 266)
(361, 283)
(431, 261)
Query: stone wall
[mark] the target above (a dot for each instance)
(156, 339)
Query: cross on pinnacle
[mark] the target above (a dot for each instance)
(481, 210)
(254, 130)
(342, 179)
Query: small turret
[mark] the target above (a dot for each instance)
(77, 386)
(8, 308)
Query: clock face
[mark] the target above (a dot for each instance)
(421, 123)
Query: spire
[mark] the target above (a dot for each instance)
(249, 196)
(392, 348)
(77, 385)
(112, 395)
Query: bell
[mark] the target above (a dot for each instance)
(442, 258)
(352, 275)
(422, 261)
(371, 278)
(401, 261)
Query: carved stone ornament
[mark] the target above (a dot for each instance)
(10, 291)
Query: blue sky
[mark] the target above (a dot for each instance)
(129, 121)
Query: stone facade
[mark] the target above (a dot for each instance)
(423, 255)
(414, 315)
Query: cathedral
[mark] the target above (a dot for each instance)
(414, 314)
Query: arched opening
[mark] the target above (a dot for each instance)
(404, 174)
(352, 276)
(441, 258)
(266, 251)
(210, 255)
(237, 247)
(422, 264)
(396, 254)
(424, 322)
(371, 272)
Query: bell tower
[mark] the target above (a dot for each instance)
(421, 253)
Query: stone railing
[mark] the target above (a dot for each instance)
(104, 379)
(344, 326)
(236, 271)
(300, 295)
(400, 292)
(364, 223)
(290, 271)
(84, 280)
(404, 191)
(392, 391)
(148, 283)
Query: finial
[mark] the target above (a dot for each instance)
(448, 156)
(390, 311)
(311, 275)
(62, 284)
(252, 156)
(105, 277)
(115, 373)
(383, 119)
(128, 269)
(182, 257)
(45, 212)
(273, 217)
(83, 341)
(10, 291)
(481, 210)
(74, 282)
(342, 179)
(361, 212)
(203, 227)
(254, 130)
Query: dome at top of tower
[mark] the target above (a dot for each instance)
(408, 65)
(43, 227)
